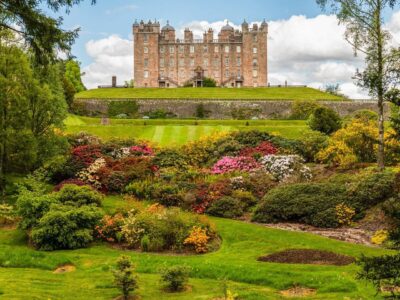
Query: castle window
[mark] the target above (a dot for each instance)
(162, 74)
(255, 73)
(239, 73)
(238, 49)
(162, 49)
(145, 38)
(205, 49)
(146, 50)
(192, 62)
(146, 62)
(171, 49)
(171, 62)
(226, 73)
(216, 62)
(226, 61)
(255, 62)
(205, 62)
(191, 49)
(255, 50)
(181, 62)
(162, 62)
(226, 49)
(146, 74)
(216, 49)
(181, 48)
(239, 61)
(255, 38)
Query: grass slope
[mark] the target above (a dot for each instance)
(273, 93)
(27, 274)
(178, 132)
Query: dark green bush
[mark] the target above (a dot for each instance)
(129, 108)
(302, 110)
(72, 194)
(392, 210)
(246, 198)
(226, 207)
(66, 227)
(209, 82)
(312, 143)
(170, 158)
(325, 120)
(175, 278)
(160, 114)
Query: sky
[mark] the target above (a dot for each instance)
(306, 45)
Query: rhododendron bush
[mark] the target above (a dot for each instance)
(263, 149)
(283, 167)
(230, 164)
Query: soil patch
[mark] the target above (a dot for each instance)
(64, 269)
(298, 291)
(307, 256)
(130, 297)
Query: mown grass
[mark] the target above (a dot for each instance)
(179, 132)
(272, 93)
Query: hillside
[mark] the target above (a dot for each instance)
(273, 93)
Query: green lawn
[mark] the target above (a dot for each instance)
(27, 274)
(178, 132)
(273, 93)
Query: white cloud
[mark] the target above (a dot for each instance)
(111, 56)
(310, 51)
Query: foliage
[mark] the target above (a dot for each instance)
(285, 167)
(109, 228)
(175, 278)
(124, 277)
(380, 237)
(73, 75)
(170, 158)
(77, 182)
(226, 207)
(344, 214)
(383, 272)
(201, 112)
(263, 149)
(311, 144)
(209, 82)
(198, 238)
(79, 195)
(302, 110)
(160, 114)
(230, 164)
(8, 214)
(325, 120)
(392, 209)
(65, 227)
(129, 108)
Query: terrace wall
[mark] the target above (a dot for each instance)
(219, 109)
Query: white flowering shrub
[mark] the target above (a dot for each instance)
(283, 167)
(89, 175)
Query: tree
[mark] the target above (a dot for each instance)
(324, 120)
(40, 32)
(366, 33)
(124, 278)
(73, 75)
(209, 82)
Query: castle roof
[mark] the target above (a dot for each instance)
(136, 24)
(227, 27)
(168, 27)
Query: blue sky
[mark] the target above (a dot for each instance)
(306, 45)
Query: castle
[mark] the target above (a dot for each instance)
(235, 59)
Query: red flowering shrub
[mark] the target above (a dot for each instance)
(109, 228)
(77, 182)
(85, 155)
(263, 149)
(207, 194)
(141, 150)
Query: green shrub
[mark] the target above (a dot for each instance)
(201, 112)
(129, 108)
(312, 143)
(170, 158)
(392, 210)
(72, 194)
(140, 189)
(209, 82)
(160, 114)
(124, 277)
(175, 278)
(246, 198)
(226, 207)
(65, 227)
(325, 120)
(302, 110)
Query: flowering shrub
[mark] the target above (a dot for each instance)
(265, 148)
(380, 237)
(198, 238)
(344, 214)
(141, 150)
(109, 228)
(86, 155)
(207, 194)
(90, 176)
(230, 164)
(282, 167)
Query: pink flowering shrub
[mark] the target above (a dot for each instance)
(263, 149)
(141, 150)
(230, 164)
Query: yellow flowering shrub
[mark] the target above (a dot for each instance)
(344, 214)
(198, 238)
(380, 237)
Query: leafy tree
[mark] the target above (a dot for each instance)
(73, 75)
(42, 33)
(209, 82)
(366, 33)
(175, 277)
(325, 120)
(124, 277)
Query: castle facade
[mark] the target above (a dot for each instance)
(235, 59)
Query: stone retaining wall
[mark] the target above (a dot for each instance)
(219, 109)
